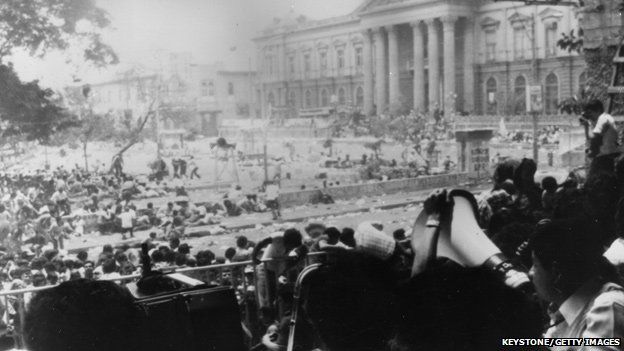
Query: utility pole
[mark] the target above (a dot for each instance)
(534, 59)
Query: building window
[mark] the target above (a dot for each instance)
(269, 63)
(582, 89)
(307, 64)
(323, 62)
(520, 95)
(324, 98)
(490, 97)
(308, 99)
(551, 94)
(551, 39)
(340, 59)
(230, 89)
(204, 88)
(341, 96)
(211, 88)
(359, 96)
(291, 64)
(490, 45)
(292, 98)
(271, 99)
(359, 57)
(519, 34)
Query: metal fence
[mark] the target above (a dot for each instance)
(15, 301)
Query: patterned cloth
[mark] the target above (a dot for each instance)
(374, 242)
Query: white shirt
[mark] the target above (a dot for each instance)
(615, 253)
(126, 219)
(272, 192)
(595, 310)
(605, 126)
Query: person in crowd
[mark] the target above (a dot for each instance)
(603, 136)
(583, 289)
(271, 192)
(127, 222)
(83, 315)
(549, 184)
(194, 169)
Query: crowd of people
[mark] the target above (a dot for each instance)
(561, 276)
(548, 135)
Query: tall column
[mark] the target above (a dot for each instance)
(393, 69)
(367, 51)
(448, 23)
(434, 64)
(469, 65)
(419, 67)
(380, 70)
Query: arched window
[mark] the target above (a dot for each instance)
(271, 99)
(551, 94)
(341, 96)
(359, 96)
(324, 98)
(582, 84)
(491, 105)
(520, 95)
(211, 88)
(292, 98)
(308, 99)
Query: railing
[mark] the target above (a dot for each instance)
(17, 296)
(521, 122)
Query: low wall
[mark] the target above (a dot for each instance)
(373, 189)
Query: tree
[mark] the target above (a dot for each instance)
(39, 26)
(29, 111)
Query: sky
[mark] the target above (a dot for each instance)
(142, 31)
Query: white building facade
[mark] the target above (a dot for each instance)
(394, 55)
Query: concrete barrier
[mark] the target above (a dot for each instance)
(297, 198)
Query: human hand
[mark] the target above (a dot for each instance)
(438, 202)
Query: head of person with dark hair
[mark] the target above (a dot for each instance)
(333, 235)
(109, 266)
(50, 254)
(448, 308)
(524, 174)
(82, 255)
(205, 258)
(82, 315)
(351, 302)
(399, 234)
(107, 248)
(241, 242)
(565, 256)
(157, 256)
(174, 243)
(184, 249)
(503, 171)
(569, 203)
(38, 263)
(38, 279)
(229, 253)
(180, 259)
(549, 184)
(292, 239)
(347, 236)
(593, 109)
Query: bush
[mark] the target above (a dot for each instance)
(73, 145)
(62, 153)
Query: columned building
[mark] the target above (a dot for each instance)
(394, 55)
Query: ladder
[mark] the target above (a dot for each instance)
(618, 72)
